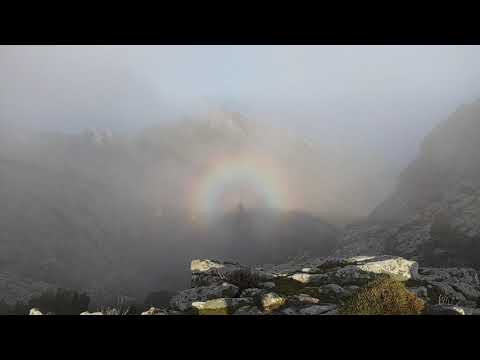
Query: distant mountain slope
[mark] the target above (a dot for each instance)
(55, 226)
(434, 214)
(448, 156)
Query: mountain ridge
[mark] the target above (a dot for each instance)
(434, 213)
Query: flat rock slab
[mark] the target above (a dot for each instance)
(183, 300)
(317, 309)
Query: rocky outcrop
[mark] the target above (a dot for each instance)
(446, 309)
(319, 286)
(272, 301)
(155, 311)
(35, 311)
(92, 313)
(453, 285)
(222, 306)
(444, 233)
(183, 300)
(314, 286)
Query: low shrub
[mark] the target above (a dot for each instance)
(158, 299)
(383, 296)
(5, 309)
(60, 302)
(287, 286)
(20, 308)
(243, 278)
(121, 306)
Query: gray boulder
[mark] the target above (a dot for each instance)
(310, 279)
(467, 290)
(267, 285)
(440, 290)
(183, 300)
(272, 301)
(334, 292)
(155, 311)
(223, 306)
(253, 293)
(207, 272)
(444, 309)
(317, 309)
(91, 313)
(302, 299)
(290, 311)
(248, 310)
(35, 311)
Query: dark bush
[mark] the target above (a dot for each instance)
(288, 286)
(20, 308)
(243, 278)
(383, 296)
(5, 309)
(60, 302)
(158, 299)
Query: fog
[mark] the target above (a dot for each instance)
(120, 164)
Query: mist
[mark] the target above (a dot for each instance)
(120, 164)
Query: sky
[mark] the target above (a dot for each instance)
(384, 97)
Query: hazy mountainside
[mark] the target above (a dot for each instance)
(448, 157)
(331, 182)
(434, 214)
(72, 232)
(158, 164)
(61, 228)
(115, 214)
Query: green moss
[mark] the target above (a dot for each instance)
(383, 296)
(223, 311)
(244, 278)
(312, 291)
(288, 286)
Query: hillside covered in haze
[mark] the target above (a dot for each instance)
(434, 213)
(124, 213)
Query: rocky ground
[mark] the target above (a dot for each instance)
(458, 212)
(315, 286)
(433, 216)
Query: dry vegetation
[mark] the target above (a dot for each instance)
(383, 296)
